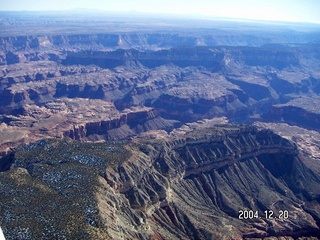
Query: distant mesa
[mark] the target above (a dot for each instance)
(162, 129)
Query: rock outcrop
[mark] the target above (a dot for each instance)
(179, 85)
(190, 186)
(118, 119)
(303, 111)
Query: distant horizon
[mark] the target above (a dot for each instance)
(296, 11)
(181, 16)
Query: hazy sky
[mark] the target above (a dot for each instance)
(283, 10)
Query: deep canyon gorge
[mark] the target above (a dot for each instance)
(166, 130)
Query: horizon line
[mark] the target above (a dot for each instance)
(195, 16)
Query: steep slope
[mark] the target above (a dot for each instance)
(121, 114)
(163, 88)
(185, 186)
(303, 111)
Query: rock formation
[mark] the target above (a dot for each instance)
(220, 81)
(189, 186)
(128, 130)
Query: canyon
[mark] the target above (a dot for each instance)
(164, 130)
(189, 186)
(130, 91)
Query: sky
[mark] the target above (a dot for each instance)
(276, 10)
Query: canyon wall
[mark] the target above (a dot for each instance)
(162, 186)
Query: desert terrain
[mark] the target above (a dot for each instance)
(149, 127)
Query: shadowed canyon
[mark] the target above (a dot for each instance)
(175, 129)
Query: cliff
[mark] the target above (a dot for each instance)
(303, 111)
(190, 186)
(118, 121)
(37, 37)
(182, 84)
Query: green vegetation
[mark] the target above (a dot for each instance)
(55, 151)
(51, 192)
(31, 210)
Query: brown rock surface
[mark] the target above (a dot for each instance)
(308, 141)
(190, 186)
(167, 87)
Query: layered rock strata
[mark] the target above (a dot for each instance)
(62, 88)
(185, 186)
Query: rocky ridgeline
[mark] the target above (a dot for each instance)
(190, 186)
(179, 85)
(153, 40)
(160, 87)
(101, 122)
(128, 124)
(303, 111)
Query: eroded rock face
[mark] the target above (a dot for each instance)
(178, 85)
(162, 87)
(183, 186)
(303, 111)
